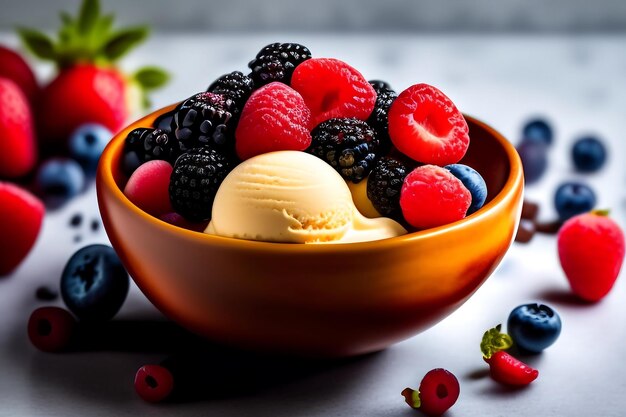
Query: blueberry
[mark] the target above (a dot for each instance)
(87, 143)
(533, 327)
(589, 154)
(573, 198)
(94, 283)
(537, 130)
(534, 160)
(473, 181)
(59, 179)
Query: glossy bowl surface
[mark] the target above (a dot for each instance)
(315, 300)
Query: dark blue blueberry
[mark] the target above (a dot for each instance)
(537, 130)
(589, 154)
(572, 198)
(533, 327)
(534, 158)
(94, 283)
(59, 179)
(473, 181)
(87, 143)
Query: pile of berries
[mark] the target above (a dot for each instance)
(405, 147)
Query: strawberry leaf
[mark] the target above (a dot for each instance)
(150, 78)
(88, 15)
(37, 43)
(123, 41)
(494, 341)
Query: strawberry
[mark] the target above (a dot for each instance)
(21, 215)
(89, 88)
(503, 367)
(591, 251)
(18, 148)
(17, 70)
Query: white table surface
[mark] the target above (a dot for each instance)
(578, 83)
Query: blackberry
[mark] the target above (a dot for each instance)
(206, 119)
(164, 122)
(234, 85)
(276, 62)
(379, 119)
(145, 144)
(194, 182)
(385, 183)
(349, 145)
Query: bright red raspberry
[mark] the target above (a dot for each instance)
(431, 196)
(275, 118)
(591, 251)
(331, 88)
(148, 187)
(425, 125)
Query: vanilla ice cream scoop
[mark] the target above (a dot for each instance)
(292, 196)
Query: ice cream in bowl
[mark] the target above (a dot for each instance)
(318, 299)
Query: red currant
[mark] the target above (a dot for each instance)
(50, 328)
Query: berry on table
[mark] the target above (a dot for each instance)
(234, 85)
(331, 88)
(275, 118)
(50, 328)
(94, 283)
(503, 367)
(194, 182)
(473, 181)
(438, 391)
(21, 216)
(45, 293)
(572, 198)
(148, 187)
(148, 144)
(87, 143)
(277, 62)
(60, 179)
(425, 125)
(534, 157)
(591, 252)
(589, 154)
(384, 185)
(154, 383)
(350, 146)
(537, 130)
(379, 119)
(533, 327)
(431, 196)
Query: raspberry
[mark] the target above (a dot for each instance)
(438, 391)
(379, 119)
(147, 187)
(331, 88)
(384, 185)
(234, 85)
(147, 144)
(276, 62)
(425, 125)
(348, 145)
(196, 177)
(274, 118)
(206, 119)
(431, 196)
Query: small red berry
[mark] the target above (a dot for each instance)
(154, 383)
(438, 391)
(508, 370)
(591, 252)
(275, 118)
(50, 328)
(431, 196)
(148, 187)
(331, 88)
(425, 125)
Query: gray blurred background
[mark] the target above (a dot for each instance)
(479, 16)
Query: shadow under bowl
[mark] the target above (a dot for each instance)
(315, 300)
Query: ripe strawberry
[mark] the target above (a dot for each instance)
(89, 88)
(21, 215)
(503, 367)
(18, 148)
(591, 251)
(16, 69)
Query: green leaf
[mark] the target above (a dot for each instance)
(88, 15)
(123, 41)
(38, 43)
(66, 18)
(151, 78)
(104, 24)
(494, 341)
